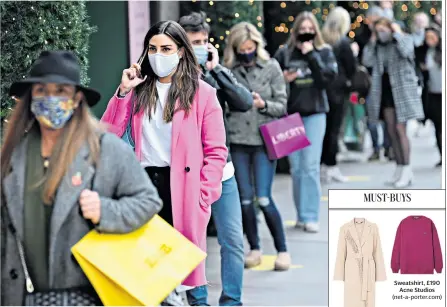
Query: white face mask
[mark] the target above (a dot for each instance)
(163, 65)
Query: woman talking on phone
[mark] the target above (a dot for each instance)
(178, 130)
(309, 66)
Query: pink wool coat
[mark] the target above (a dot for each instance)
(198, 157)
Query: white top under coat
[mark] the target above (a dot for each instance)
(157, 134)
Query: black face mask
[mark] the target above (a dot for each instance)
(305, 37)
(246, 58)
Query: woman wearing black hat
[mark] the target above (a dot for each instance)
(61, 176)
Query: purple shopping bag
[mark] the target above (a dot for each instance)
(284, 136)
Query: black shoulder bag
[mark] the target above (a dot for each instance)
(57, 297)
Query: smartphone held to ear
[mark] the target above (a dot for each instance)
(210, 57)
(140, 61)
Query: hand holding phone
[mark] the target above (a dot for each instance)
(132, 76)
(213, 57)
(291, 74)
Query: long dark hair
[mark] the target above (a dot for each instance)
(185, 80)
(438, 48)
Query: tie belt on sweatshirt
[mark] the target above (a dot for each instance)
(366, 284)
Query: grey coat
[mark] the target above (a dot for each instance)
(128, 201)
(399, 57)
(265, 78)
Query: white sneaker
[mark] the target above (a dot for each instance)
(312, 227)
(173, 299)
(334, 173)
(405, 179)
(396, 176)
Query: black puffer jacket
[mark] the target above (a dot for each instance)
(230, 93)
(316, 70)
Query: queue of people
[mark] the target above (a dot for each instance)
(190, 144)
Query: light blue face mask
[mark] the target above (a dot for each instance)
(201, 52)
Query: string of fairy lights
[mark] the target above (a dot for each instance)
(321, 10)
(44, 18)
(357, 18)
(223, 16)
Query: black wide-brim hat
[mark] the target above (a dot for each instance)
(60, 67)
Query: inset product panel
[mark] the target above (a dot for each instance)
(393, 258)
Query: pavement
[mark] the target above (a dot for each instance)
(306, 284)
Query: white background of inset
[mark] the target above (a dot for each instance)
(387, 222)
(355, 199)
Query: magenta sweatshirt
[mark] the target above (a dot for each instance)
(416, 247)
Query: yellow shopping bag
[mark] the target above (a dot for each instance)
(140, 268)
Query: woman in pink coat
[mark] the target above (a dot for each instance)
(177, 129)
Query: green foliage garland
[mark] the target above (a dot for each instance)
(30, 27)
(222, 15)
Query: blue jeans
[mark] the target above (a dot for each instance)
(373, 129)
(197, 296)
(227, 217)
(254, 174)
(305, 170)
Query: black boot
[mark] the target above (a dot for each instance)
(389, 154)
(375, 156)
(211, 229)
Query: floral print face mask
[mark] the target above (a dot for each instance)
(52, 111)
